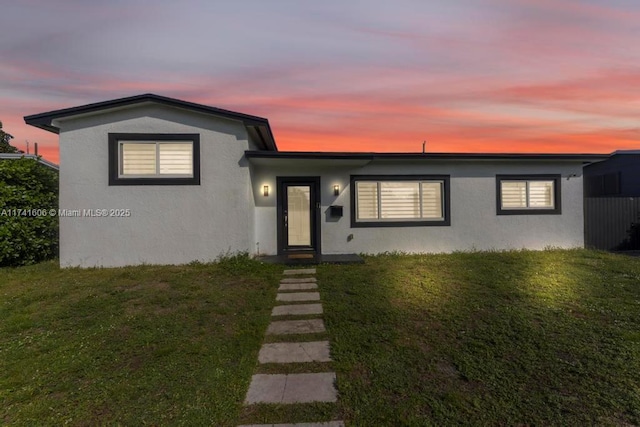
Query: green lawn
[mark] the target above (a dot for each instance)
(512, 338)
(131, 346)
(505, 338)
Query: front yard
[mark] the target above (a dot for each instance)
(506, 338)
(511, 338)
(133, 346)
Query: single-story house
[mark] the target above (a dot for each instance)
(150, 179)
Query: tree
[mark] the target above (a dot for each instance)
(5, 137)
(28, 212)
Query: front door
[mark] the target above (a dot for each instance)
(298, 208)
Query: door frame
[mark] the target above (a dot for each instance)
(314, 184)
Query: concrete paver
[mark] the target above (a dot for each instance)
(299, 296)
(266, 388)
(318, 387)
(295, 352)
(292, 388)
(299, 271)
(296, 309)
(297, 286)
(287, 327)
(298, 280)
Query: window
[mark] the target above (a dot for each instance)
(528, 195)
(391, 201)
(154, 159)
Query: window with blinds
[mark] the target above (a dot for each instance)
(156, 159)
(535, 193)
(399, 200)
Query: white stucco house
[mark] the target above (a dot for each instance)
(156, 180)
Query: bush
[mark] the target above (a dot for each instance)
(27, 190)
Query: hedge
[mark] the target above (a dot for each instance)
(28, 226)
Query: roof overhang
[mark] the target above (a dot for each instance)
(257, 127)
(626, 152)
(15, 156)
(354, 159)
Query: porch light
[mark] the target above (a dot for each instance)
(336, 190)
(265, 191)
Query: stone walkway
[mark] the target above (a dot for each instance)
(301, 298)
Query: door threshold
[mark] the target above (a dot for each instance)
(301, 256)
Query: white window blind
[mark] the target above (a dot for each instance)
(527, 194)
(432, 200)
(176, 159)
(367, 200)
(148, 159)
(541, 194)
(514, 194)
(138, 159)
(399, 200)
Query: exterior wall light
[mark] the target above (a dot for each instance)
(265, 191)
(336, 190)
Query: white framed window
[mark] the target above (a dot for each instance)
(399, 201)
(531, 194)
(154, 159)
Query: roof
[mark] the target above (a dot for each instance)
(584, 158)
(630, 152)
(258, 127)
(14, 156)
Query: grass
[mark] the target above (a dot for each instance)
(131, 346)
(506, 338)
(486, 338)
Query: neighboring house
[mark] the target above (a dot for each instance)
(14, 156)
(612, 202)
(184, 182)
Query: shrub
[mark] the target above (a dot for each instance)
(28, 232)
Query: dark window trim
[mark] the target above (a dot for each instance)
(557, 194)
(115, 138)
(375, 224)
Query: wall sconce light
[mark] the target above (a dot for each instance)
(265, 191)
(336, 190)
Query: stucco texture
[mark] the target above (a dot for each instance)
(475, 224)
(168, 224)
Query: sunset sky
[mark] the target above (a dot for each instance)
(464, 75)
